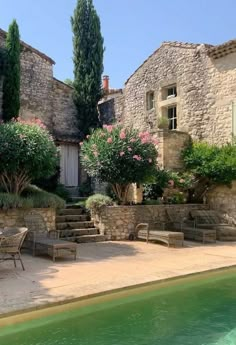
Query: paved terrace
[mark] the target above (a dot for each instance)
(101, 267)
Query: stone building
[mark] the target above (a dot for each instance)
(50, 100)
(193, 85)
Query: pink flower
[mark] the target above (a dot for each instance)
(129, 149)
(132, 140)
(122, 135)
(137, 157)
(181, 180)
(81, 143)
(95, 153)
(87, 136)
(155, 141)
(109, 128)
(122, 153)
(150, 160)
(109, 140)
(144, 140)
(171, 183)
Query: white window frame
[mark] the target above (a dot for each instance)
(173, 118)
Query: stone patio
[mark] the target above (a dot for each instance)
(101, 267)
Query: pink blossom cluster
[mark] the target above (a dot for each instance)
(31, 122)
(137, 157)
(109, 128)
(146, 138)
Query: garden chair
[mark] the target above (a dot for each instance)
(40, 239)
(11, 240)
(181, 222)
(171, 238)
(211, 219)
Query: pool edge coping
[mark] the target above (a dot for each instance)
(51, 308)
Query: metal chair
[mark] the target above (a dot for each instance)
(11, 240)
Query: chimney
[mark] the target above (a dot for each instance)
(105, 80)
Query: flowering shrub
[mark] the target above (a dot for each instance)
(97, 201)
(119, 156)
(27, 152)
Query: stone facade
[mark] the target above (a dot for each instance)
(118, 222)
(42, 96)
(223, 199)
(204, 78)
(15, 217)
(205, 91)
(111, 107)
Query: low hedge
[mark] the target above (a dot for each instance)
(32, 197)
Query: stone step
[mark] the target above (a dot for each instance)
(72, 218)
(73, 205)
(72, 212)
(78, 232)
(75, 225)
(91, 238)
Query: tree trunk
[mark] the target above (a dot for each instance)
(14, 183)
(121, 191)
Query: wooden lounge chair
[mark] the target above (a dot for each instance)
(210, 219)
(11, 240)
(171, 238)
(39, 239)
(188, 227)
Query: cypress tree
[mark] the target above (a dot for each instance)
(88, 64)
(11, 82)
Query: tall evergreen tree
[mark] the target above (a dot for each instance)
(11, 82)
(88, 64)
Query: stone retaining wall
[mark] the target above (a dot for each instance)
(118, 222)
(15, 217)
(223, 199)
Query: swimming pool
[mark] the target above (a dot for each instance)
(196, 311)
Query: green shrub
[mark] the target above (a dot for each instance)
(41, 198)
(27, 152)
(217, 164)
(159, 181)
(119, 156)
(62, 192)
(8, 201)
(96, 201)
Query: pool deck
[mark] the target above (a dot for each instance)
(102, 267)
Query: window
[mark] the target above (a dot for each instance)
(172, 116)
(171, 92)
(150, 100)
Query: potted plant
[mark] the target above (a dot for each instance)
(163, 122)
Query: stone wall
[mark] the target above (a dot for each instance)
(15, 217)
(205, 91)
(42, 96)
(64, 111)
(118, 222)
(111, 107)
(223, 199)
(171, 144)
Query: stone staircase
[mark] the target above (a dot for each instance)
(75, 225)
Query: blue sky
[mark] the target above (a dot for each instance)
(132, 29)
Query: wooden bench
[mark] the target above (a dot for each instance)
(171, 238)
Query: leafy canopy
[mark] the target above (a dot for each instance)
(119, 156)
(88, 64)
(216, 164)
(27, 152)
(11, 81)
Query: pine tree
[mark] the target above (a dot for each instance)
(88, 64)
(11, 82)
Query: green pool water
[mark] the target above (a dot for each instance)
(201, 311)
